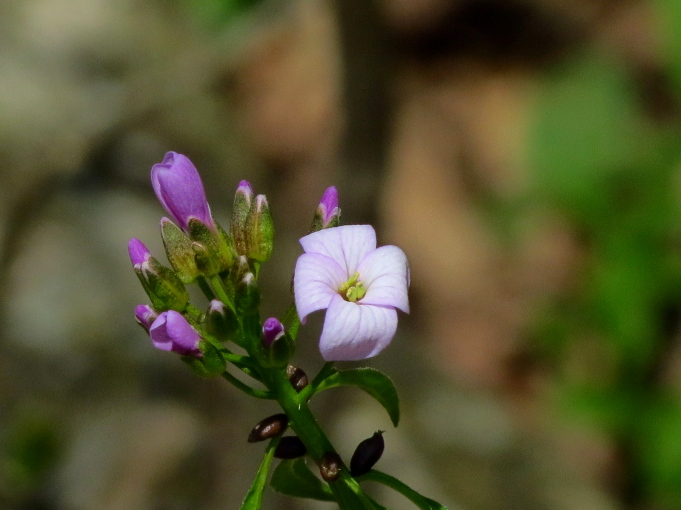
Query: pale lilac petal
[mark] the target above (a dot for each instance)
(179, 188)
(316, 280)
(171, 332)
(354, 332)
(347, 245)
(385, 275)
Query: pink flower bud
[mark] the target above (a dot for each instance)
(138, 252)
(272, 330)
(179, 188)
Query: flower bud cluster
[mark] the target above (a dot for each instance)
(223, 263)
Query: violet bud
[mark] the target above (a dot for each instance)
(171, 332)
(243, 201)
(162, 285)
(145, 316)
(330, 466)
(268, 428)
(272, 330)
(290, 447)
(260, 230)
(297, 377)
(327, 214)
(179, 188)
(367, 453)
(139, 253)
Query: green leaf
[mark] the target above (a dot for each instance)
(253, 500)
(294, 478)
(420, 501)
(374, 382)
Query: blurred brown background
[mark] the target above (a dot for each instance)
(421, 112)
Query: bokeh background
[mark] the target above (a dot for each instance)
(524, 153)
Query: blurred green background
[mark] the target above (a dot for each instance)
(524, 153)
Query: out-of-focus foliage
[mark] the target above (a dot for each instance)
(610, 166)
(217, 13)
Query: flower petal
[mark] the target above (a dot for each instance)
(347, 245)
(354, 332)
(315, 282)
(385, 274)
(179, 188)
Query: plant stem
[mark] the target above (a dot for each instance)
(346, 490)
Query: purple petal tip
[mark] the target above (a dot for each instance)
(137, 251)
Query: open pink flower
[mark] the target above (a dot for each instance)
(360, 286)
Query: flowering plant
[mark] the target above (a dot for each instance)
(341, 270)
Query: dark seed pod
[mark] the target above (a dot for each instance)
(268, 428)
(297, 377)
(290, 447)
(330, 466)
(367, 454)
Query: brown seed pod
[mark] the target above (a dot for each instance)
(330, 466)
(268, 428)
(367, 454)
(297, 377)
(290, 447)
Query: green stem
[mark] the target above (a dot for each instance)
(205, 288)
(311, 388)
(345, 489)
(220, 291)
(267, 395)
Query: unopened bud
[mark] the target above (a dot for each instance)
(260, 228)
(290, 447)
(330, 466)
(327, 214)
(145, 316)
(272, 330)
(268, 428)
(367, 453)
(296, 377)
(162, 285)
(247, 293)
(221, 321)
(179, 251)
(243, 200)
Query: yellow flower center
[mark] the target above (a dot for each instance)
(352, 290)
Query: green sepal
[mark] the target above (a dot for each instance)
(318, 221)
(373, 381)
(222, 325)
(294, 478)
(163, 286)
(206, 248)
(211, 364)
(179, 251)
(278, 354)
(260, 230)
(226, 250)
(243, 202)
(253, 499)
(422, 502)
(247, 295)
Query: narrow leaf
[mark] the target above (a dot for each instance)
(253, 500)
(374, 382)
(294, 478)
(422, 502)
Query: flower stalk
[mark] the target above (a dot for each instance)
(360, 286)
